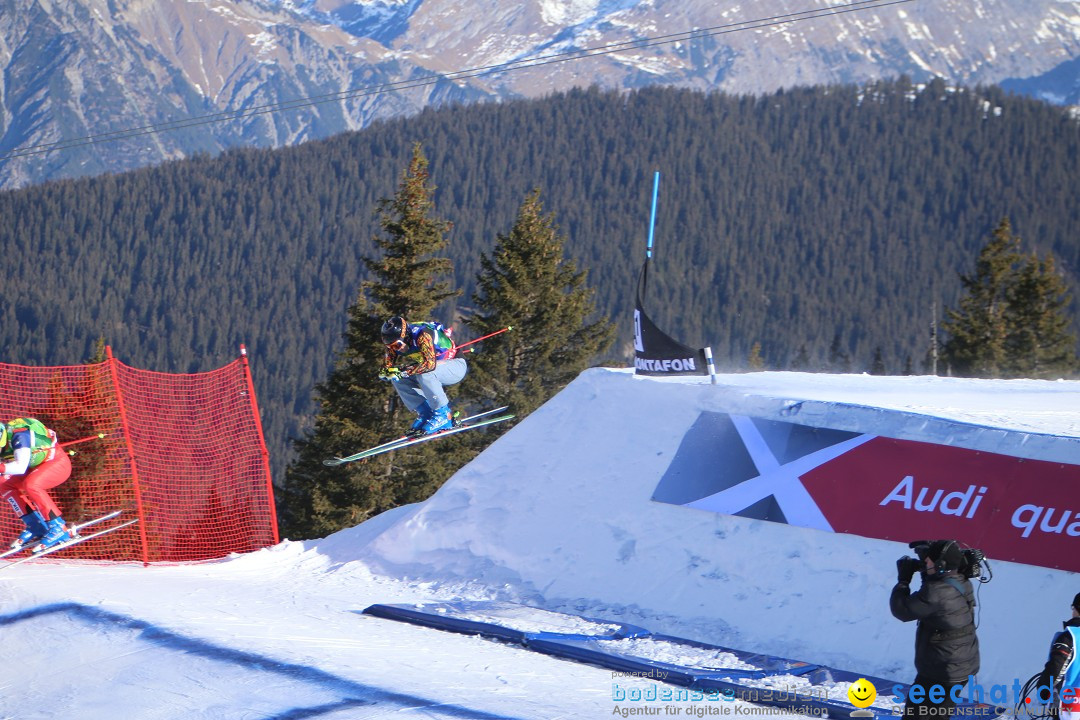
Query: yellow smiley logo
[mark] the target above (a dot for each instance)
(861, 693)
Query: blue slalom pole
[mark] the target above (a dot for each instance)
(652, 218)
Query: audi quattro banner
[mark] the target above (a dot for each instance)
(1013, 509)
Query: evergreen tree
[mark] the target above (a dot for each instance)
(933, 352)
(978, 329)
(839, 360)
(754, 361)
(97, 354)
(358, 410)
(877, 365)
(1013, 321)
(527, 283)
(801, 361)
(1039, 344)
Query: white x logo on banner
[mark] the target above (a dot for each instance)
(783, 482)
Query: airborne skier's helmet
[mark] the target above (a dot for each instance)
(393, 331)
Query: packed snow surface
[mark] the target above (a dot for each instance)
(556, 516)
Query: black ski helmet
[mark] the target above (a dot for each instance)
(393, 330)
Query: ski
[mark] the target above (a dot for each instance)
(433, 436)
(68, 543)
(74, 530)
(469, 423)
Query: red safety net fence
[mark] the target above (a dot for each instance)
(183, 454)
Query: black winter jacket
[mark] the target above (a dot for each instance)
(1061, 652)
(946, 648)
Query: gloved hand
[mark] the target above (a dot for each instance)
(392, 373)
(906, 567)
(1044, 681)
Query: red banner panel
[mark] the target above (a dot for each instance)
(1015, 509)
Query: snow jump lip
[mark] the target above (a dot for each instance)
(626, 649)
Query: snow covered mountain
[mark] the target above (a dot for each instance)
(556, 516)
(91, 68)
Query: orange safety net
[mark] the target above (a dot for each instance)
(183, 454)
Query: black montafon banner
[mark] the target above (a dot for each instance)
(655, 353)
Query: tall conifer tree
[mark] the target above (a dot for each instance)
(1013, 322)
(979, 327)
(1039, 343)
(527, 283)
(357, 409)
(839, 360)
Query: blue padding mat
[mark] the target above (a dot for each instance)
(504, 621)
(711, 669)
(667, 658)
(715, 670)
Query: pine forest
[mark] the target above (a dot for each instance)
(820, 229)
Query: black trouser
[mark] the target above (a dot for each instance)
(927, 708)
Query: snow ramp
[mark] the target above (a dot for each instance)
(590, 506)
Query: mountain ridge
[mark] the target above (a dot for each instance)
(274, 73)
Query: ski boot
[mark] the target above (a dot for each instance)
(422, 414)
(35, 530)
(57, 534)
(441, 419)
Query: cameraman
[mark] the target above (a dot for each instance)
(946, 648)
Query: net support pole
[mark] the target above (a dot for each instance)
(141, 525)
(262, 443)
(709, 362)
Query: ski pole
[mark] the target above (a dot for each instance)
(485, 337)
(99, 436)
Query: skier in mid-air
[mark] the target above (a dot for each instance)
(420, 360)
(33, 463)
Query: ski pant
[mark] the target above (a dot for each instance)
(29, 492)
(415, 390)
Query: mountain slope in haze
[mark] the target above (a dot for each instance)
(90, 67)
(80, 69)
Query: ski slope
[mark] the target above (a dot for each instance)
(555, 515)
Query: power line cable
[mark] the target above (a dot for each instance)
(400, 85)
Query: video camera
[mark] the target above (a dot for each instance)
(971, 566)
